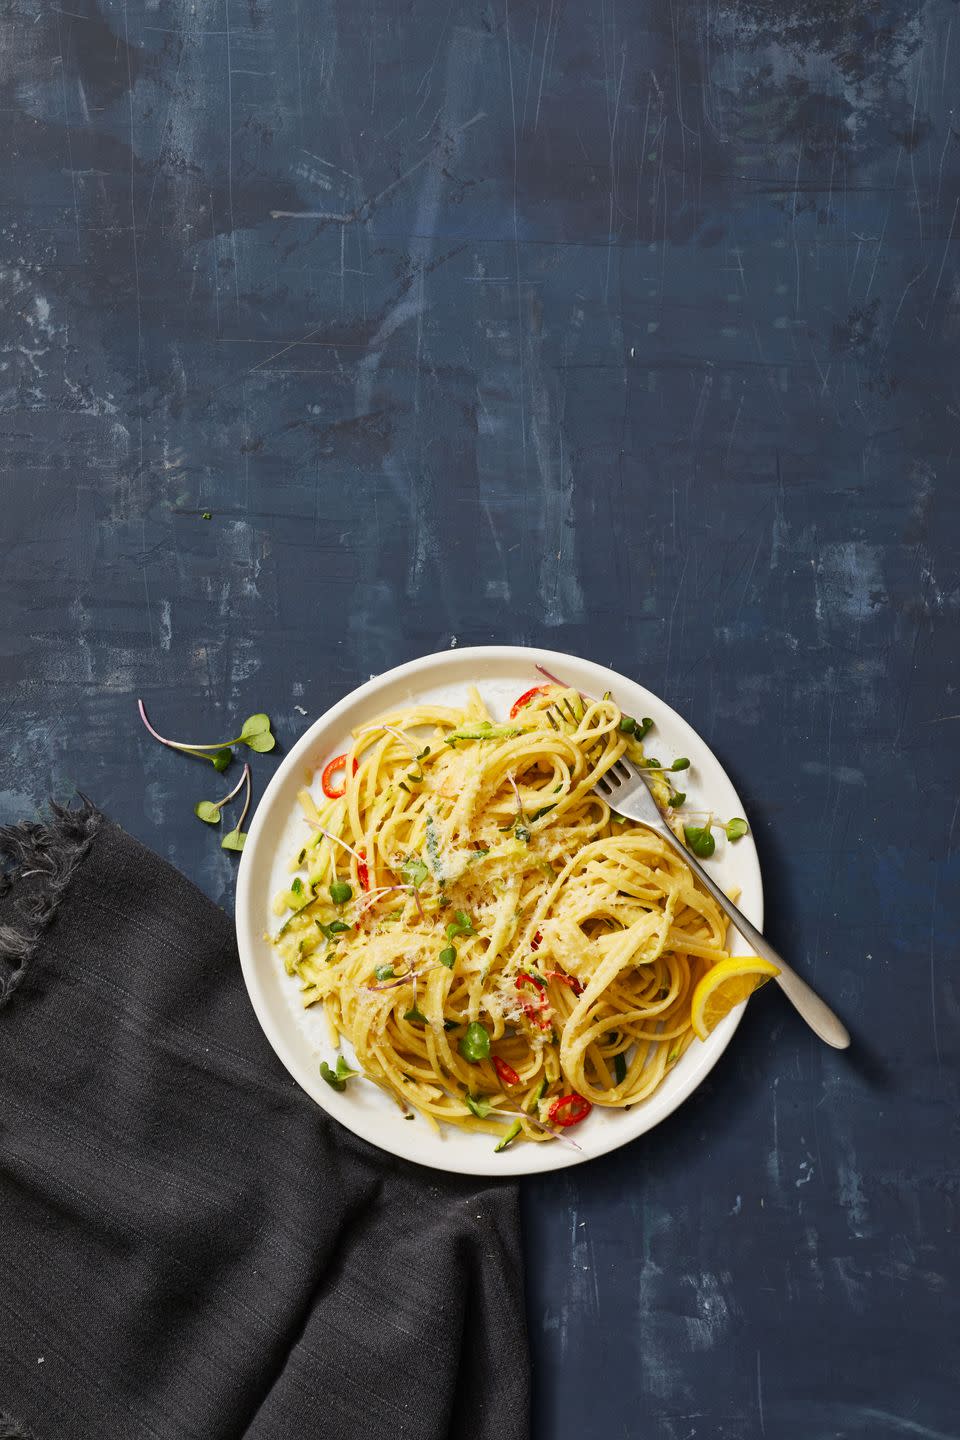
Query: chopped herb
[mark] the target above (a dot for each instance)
(522, 833)
(384, 972)
(433, 849)
(452, 1024)
(672, 1056)
(544, 810)
(207, 515)
(447, 956)
(736, 829)
(409, 1117)
(558, 788)
(681, 764)
(414, 871)
(460, 925)
(406, 790)
(651, 764)
(414, 1013)
(477, 855)
(511, 1134)
(337, 1078)
(478, 1105)
(537, 1095)
(700, 840)
(424, 753)
(340, 892)
(415, 777)
(302, 856)
(677, 799)
(475, 1043)
(619, 1067)
(297, 887)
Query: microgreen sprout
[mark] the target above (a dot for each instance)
(209, 810)
(254, 733)
(736, 829)
(700, 840)
(337, 1078)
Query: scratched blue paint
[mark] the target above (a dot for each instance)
(625, 327)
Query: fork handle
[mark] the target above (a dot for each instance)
(806, 1002)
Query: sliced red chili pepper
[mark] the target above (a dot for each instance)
(339, 762)
(569, 1110)
(526, 697)
(363, 874)
(571, 980)
(533, 1009)
(506, 1072)
(537, 941)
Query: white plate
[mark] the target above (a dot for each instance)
(300, 1037)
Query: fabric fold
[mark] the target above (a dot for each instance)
(189, 1247)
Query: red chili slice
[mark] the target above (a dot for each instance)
(526, 697)
(506, 1072)
(569, 1110)
(571, 980)
(363, 874)
(534, 1008)
(339, 762)
(537, 941)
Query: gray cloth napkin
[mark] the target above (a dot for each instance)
(189, 1247)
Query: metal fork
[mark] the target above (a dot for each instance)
(626, 791)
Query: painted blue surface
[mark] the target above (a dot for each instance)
(626, 328)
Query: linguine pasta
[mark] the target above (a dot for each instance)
(501, 951)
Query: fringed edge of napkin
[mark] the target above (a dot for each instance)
(11, 1429)
(48, 852)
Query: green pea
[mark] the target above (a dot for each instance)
(475, 1044)
(340, 892)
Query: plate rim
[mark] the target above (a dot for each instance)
(249, 935)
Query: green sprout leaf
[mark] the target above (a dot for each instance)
(475, 1043)
(234, 840)
(700, 840)
(681, 764)
(340, 892)
(619, 1067)
(416, 1014)
(333, 929)
(207, 810)
(736, 829)
(220, 760)
(414, 871)
(478, 1105)
(460, 925)
(337, 1078)
(447, 957)
(384, 972)
(677, 799)
(628, 724)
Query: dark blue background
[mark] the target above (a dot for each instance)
(624, 328)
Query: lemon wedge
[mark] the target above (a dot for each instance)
(727, 984)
